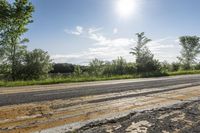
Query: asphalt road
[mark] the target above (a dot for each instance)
(73, 92)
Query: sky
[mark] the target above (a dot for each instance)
(77, 31)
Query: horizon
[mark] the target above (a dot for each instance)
(77, 31)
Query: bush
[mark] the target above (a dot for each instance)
(37, 65)
(119, 67)
(197, 66)
(77, 71)
(153, 74)
(165, 66)
(62, 68)
(175, 66)
(146, 63)
(96, 67)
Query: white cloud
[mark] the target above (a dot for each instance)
(93, 34)
(105, 48)
(108, 50)
(165, 49)
(77, 31)
(92, 30)
(97, 37)
(115, 31)
(160, 44)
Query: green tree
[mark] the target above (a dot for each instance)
(175, 66)
(63, 68)
(108, 68)
(119, 66)
(145, 61)
(77, 70)
(142, 40)
(197, 66)
(37, 64)
(13, 21)
(96, 67)
(165, 66)
(190, 50)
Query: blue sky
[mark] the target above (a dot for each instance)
(77, 31)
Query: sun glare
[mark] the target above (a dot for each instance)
(126, 8)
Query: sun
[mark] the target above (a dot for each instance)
(126, 8)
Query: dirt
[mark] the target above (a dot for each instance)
(48, 116)
(179, 118)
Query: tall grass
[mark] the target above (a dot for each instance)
(62, 80)
(73, 79)
(184, 72)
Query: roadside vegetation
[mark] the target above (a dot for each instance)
(19, 66)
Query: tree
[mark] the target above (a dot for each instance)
(119, 66)
(142, 40)
(116, 67)
(145, 61)
(13, 21)
(190, 50)
(77, 70)
(37, 64)
(197, 66)
(63, 68)
(175, 66)
(96, 67)
(165, 66)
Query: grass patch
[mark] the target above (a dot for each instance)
(62, 80)
(184, 72)
(71, 79)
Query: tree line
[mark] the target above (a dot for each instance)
(18, 63)
(144, 64)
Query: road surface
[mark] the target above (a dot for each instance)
(108, 87)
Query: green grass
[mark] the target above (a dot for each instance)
(184, 72)
(87, 79)
(62, 80)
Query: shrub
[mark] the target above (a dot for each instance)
(37, 65)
